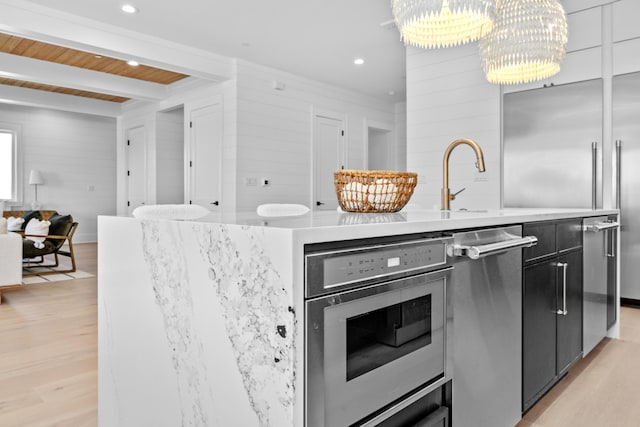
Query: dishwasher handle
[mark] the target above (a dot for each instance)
(601, 226)
(480, 251)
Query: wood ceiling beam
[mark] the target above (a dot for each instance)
(49, 25)
(34, 70)
(38, 98)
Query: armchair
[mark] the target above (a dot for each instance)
(61, 230)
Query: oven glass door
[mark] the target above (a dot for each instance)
(374, 345)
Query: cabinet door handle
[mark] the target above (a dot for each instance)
(564, 267)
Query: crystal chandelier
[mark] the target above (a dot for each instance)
(527, 43)
(442, 23)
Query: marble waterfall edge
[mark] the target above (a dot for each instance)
(212, 321)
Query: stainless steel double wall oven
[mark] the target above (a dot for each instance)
(376, 328)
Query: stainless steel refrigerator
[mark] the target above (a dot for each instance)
(551, 146)
(552, 156)
(626, 133)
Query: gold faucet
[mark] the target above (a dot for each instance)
(446, 194)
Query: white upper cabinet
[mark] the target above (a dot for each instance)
(578, 66)
(583, 60)
(626, 37)
(626, 56)
(571, 6)
(585, 29)
(625, 20)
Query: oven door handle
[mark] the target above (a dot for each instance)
(480, 251)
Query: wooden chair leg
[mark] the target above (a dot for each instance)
(72, 256)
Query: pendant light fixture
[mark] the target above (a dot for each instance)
(528, 41)
(442, 23)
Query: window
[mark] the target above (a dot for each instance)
(9, 173)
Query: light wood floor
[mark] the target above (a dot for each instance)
(48, 363)
(48, 351)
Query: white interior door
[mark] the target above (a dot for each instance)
(205, 162)
(328, 158)
(136, 168)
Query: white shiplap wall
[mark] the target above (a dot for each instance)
(401, 135)
(274, 130)
(448, 98)
(76, 154)
(267, 133)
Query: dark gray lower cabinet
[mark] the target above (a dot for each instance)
(538, 330)
(551, 307)
(569, 327)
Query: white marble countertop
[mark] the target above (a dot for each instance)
(318, 226)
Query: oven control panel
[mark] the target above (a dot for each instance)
(329, 270)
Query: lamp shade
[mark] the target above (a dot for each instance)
(528, 42)
(442, 23)
(35, 178)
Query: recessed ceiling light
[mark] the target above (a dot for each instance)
(358, 61)
(97, 56)
(127, 8)
(133, 63)
(391, 93)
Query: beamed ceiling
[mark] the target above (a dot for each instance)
(75, 58)
(48, 49)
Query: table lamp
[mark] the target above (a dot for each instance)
(35, 178)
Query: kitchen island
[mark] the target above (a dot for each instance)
(201, 323)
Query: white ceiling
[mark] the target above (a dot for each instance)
(313, 38)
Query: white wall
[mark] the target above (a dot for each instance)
(448, 98)
(401, 135)
(76, 154)
(267, 133)
(274, 132)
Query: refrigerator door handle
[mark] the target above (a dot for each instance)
(594, 175)
(618, 173)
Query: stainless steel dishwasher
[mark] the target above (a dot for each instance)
(487, 326)
(599, 235)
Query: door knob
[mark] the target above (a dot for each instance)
(319, 203)
(215, 203)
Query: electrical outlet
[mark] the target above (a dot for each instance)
(250, 181)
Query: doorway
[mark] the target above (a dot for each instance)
(379, 149)
(170, 156)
